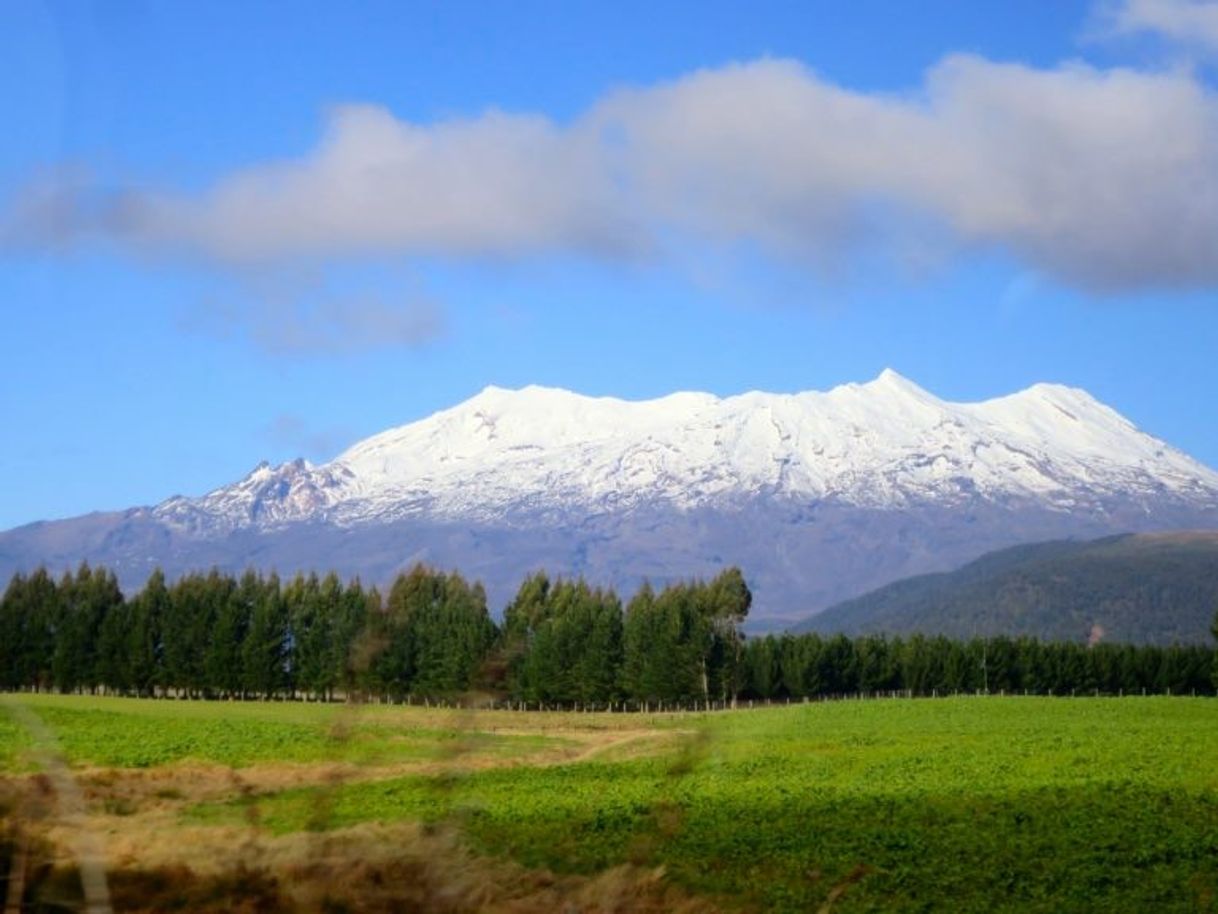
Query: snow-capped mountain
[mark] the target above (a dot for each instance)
(884, 444)
(818, 495)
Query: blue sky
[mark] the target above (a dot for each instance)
(231, 232)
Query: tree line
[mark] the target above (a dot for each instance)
(799, 666)
(561, 643)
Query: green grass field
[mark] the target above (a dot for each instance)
(967, 804)
(125, 733)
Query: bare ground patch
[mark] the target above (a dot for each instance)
(156, 862)
(127, 792)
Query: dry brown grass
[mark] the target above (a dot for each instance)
(134, 791)
(368, 868)
(157, 862)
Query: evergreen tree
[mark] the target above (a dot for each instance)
(685, 635)
(86, 599)
(960, 672)
(873, 664)
(761, 673)
(917, 663)
(13, 663)
(310, 618)
(45, 604)
(682, 642)
(598, 658)
(28, 614)
(264, 651)
(113, 669)
(638, 676)
(565, 641)
(839, 666)
(350, 619)
(145, 653)
(572, 646)
(521, 620)
(369, 644)
(387, 646)
(438, 631)
(800, 666)
(223, 665)
(663, 646)
(189, 617)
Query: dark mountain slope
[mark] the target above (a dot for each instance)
(1154, 588)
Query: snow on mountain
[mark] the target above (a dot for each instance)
(267, 496)
(817, 496)
(886, 444)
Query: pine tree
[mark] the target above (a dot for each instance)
(569, 639)
(800, 666)
(521, 620)
(370, 644)
(874, 667)
(264, 651)
(310, 618)
(350, 620)
(40, 610)
(145, 651)
(223, 665)
(756, 675)
(113, 668)
(189, 620)
(639, 676)
(86, 599)
(27, 611)
(597, 659)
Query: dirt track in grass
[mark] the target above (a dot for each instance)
(158, 860)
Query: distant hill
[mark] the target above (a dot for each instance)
(1153, 588)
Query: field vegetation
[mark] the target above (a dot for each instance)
(968, 804)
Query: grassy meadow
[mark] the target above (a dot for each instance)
(963, 804)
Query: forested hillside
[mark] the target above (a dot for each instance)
(1141, 589)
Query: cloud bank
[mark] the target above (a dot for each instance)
(1106, 179)
(1189, 22)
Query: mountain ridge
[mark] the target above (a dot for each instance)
(850, 443)
(819, 495)
(1139, 588)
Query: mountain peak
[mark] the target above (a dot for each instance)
(529, 393)
(892, 383)
(818, 494)
(884, 444)
(1061, 394)
(891, 376)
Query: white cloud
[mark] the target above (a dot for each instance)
(1104, 178)
(1107, 179)
(495, 185)
(1189, 22)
